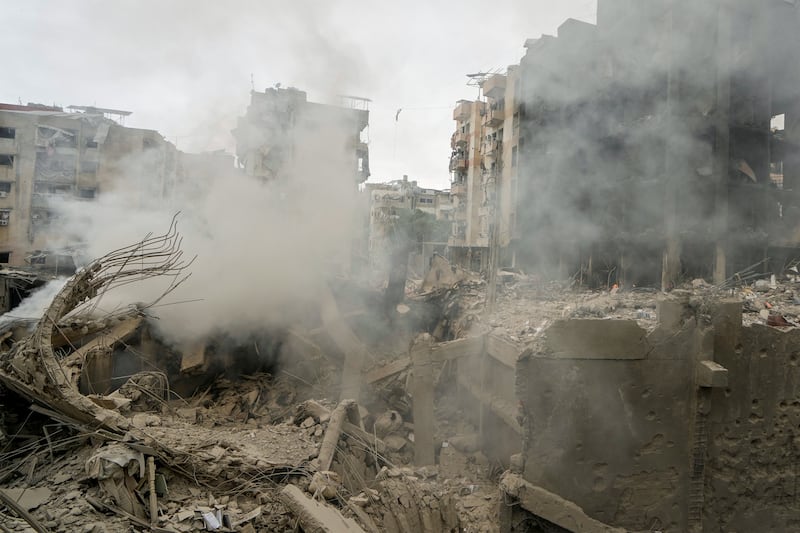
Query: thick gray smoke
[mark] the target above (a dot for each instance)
(622, 129)
(263, 249)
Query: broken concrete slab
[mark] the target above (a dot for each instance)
(552, 507)
(711, 374)
(29, 499)
(316, 517)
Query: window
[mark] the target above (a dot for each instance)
(5, 257)
(6, 160)
(5, 215)
(89, 167)
(5, 187)
(91, 143)
(7, 133)
(513, 156)
(87, 193)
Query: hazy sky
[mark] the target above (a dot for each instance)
(184, 66)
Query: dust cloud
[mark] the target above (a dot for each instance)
(263, 250)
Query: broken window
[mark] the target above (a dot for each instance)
(52, 166)
(91, 143)
(5, 257)
(87, 193)
(7, 133)
(5, 188)
(6, 160)
(5, 215)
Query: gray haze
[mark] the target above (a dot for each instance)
(184, 67)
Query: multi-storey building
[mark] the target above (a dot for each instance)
(48, 155)
(663, 142)
(484, 171)
(282, 132)
(390, 202)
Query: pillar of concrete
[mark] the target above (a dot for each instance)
(422, 395)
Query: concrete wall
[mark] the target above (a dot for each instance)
(607, 418)
(644, 431)
(753, 476)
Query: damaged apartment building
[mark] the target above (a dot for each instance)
(282, 131)
(662, 142)
(49, 155)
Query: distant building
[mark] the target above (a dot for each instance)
(48, 155)
(389, 203)
(282, 131)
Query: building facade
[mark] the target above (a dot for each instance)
(48, 155)
(661, 144)
(282, 131)
(483, 166)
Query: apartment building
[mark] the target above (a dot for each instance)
(48, 155)
(282, 134)
(483, 167)
(662, 143)
(394, 204)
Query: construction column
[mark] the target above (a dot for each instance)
(422, 399)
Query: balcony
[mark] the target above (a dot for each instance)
(463, 110)
(8, 146)
(494, 118)
(459, 139)
(458, 163)
(495, 87)
(458, 189)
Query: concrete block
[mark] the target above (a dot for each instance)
(670, 313)
(711, 374)
(596, 339)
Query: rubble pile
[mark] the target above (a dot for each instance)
(184, 443)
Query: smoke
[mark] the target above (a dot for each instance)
(263, 249)
(33, 307)
(618, 137)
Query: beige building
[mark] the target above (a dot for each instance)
(483, 166)
(388, 202)
(283, 133)
(48, 155)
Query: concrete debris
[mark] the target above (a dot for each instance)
(28, 498)
(189, 439)
(316, 517)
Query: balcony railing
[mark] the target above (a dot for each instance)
(494, 118)
(459, 139)
(458, 189)
(458, 163)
